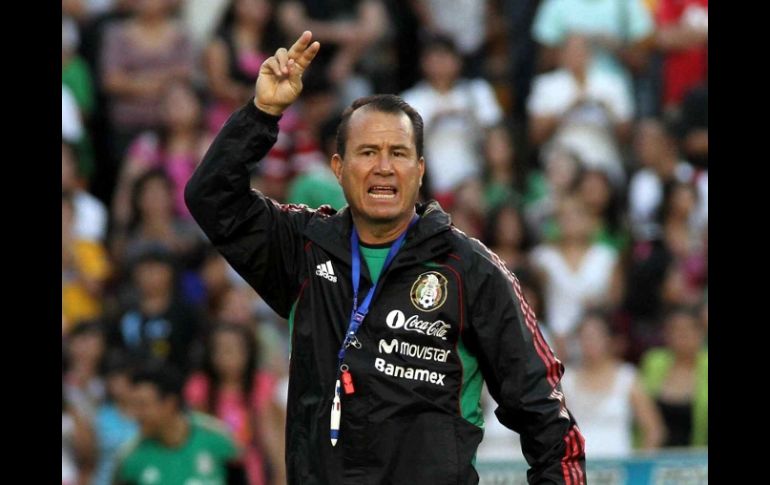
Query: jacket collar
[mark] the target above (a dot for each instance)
(333, 234)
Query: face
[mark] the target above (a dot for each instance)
(119, 385)
(153, 277)
(574, 220)
(257, 11)
(181, 107)
(683, 335)
(499, 150)
(380, 173)
(560, 170)
(440, 65)
(151, 410)
(594, 339)
(236, 307)
(87, 348)
(510, 231)
(595, 191)
(683, 200)
(649, 143)
(229, 354)
(156, 197)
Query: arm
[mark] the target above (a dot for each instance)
(647, 417)
(259, 238)
(219, 81)
(522, 374)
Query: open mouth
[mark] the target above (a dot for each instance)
(382, 191)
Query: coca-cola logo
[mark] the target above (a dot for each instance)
(397, 320)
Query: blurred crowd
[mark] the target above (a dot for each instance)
(569, 136)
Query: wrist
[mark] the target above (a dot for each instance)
(268, 109)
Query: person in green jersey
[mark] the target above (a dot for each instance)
(175, 447)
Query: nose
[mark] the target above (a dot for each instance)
(384, 164)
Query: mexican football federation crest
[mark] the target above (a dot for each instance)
(429, 291)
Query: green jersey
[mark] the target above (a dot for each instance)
(201, 460)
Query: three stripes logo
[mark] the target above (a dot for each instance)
(325, 270)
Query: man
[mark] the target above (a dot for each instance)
(174, 447)
(399, 402)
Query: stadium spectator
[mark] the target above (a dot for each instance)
(676, 375)
(458, 114)
(577, 274)
(77, 445)
(85, 268)
(604, 202)
(507, 236)
(155, 323)
(583, 110)
(246, 35)
(85, 350)
(607, 394)
(90, 218)
(175, 446)
(113, 422)
(176, 147)
(232, 387)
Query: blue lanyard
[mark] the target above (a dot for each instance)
(358, 313)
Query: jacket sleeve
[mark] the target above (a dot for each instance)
(260, 238)
(522, 374)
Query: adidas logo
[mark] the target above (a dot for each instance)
(325, 270)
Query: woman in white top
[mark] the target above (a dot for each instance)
(577, 273)
(605, 396)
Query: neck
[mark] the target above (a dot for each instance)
(175, 433)
(373, 233)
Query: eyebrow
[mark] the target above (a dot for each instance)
(377, 147)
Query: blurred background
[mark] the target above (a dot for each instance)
(570, 136)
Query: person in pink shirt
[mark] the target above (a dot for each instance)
(231, 387)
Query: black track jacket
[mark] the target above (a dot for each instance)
(445, 315)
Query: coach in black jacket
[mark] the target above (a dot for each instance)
(390, 396)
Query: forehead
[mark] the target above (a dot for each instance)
(146, 391)
(374, 127)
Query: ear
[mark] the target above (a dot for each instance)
(421, 163)
(336, 164)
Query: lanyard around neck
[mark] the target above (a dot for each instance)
(358, 313)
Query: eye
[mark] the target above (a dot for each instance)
(399, 154)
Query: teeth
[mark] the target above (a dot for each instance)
(382, 196)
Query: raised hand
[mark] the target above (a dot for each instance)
(280, 77)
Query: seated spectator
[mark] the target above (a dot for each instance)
(153, 221)
(176, 147)
(114, 424)
(139, 58)
(458, 114)
(676, 375)
(620, 33)
(607, 397)
(682, 37)
(656, 150)
(77, 445)
(586, 111)
(155, 322)
(693, 126)
(90, 213)
(562, 172)
(507, 236)
(500, 169)
(85, 269)
(231, 387)
(603, 200)
(347, 30)
(175, 446)
(577, 273)
(76, 75)
(85, 349)
(247, 34)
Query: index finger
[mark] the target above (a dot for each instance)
(300, 45)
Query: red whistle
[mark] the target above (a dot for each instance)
(347, 383)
